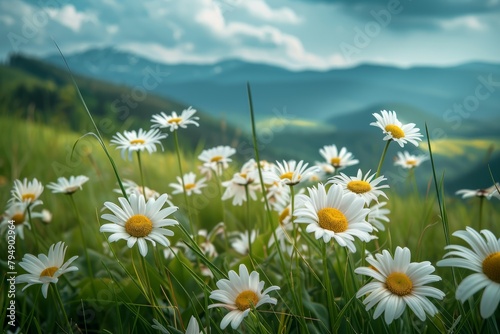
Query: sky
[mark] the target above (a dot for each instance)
(295, 34)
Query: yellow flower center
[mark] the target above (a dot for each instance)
(28, 197)
(395, 131)
(216, 158)
(287, 175)
(359, 187)
(243, 175)
(50, 271)
(332, 219)
(399, 284)
(189, 186)
(139, 226)
(491, 267)
(411, 162)
(246, 299)
(137, 141)
(174, 120)
(18, 218)
(335, 161)
(285, 213)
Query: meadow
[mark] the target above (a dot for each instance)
(117, 289)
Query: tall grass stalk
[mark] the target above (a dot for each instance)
(97, 134)
(382, 158)
(442, 209)
(301, 316)
(141, 173)
(59, 302)
(33, 227)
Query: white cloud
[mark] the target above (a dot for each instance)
(293, 34)
(182, 53)
(260, 9)
(112, 29)
(468, 22)
(7, 20)
(68, 16)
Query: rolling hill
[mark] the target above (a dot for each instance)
(298, 112)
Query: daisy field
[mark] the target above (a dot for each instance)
(153, 226)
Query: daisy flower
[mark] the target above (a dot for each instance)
(277, 195)
(334, 214)
(133, 188)
(395, 130)
(364, 186)
(26, 191)
(398, 283)
(285, 226)
(239, 241)
(488, 192)
(322, 169)
(240, 294)
(377, 215)
(190, 184)
(291, 172)
(174, 121)
(192, 328)
(17, 213)
(483, 258)
(237, 188)
(133, 141)
(45, 269)
(46, 216)
(65, 186)
(338, 159)
(204, 239)
(138, 221)
(407, 160)
(217, 156)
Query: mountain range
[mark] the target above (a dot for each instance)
(317, 96)
(298, 112)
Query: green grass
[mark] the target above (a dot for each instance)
(119, 299)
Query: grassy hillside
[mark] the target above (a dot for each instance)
(35, 90)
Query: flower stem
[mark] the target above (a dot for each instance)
(247, 219)
(179, 162)
(382, 158)
(481, 201)
(35, 234)
(142, 175)
(329, 289)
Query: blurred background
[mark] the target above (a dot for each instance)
(318, 71)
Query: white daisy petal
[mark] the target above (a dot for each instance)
(334, 214)
(398, 285)
(485, 263)
(45, 271)
(241, 293)
(393, 129)
(137, 221)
